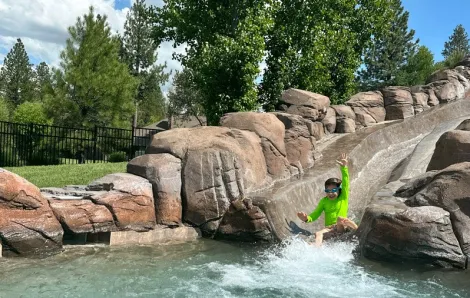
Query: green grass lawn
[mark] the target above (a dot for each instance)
(61, 175)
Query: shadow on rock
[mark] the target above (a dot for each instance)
(296, 230)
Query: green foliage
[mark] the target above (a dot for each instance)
(4, 110)
(317, 46)
(43, 81)
(94, 85)
(59, 107)
(17, 76)
(31, 112)
(139, 52)
(119, 156)
(184, 99)
(451, 61)
(454, 58)
(225, 45)
(419, 67)
(458, 43)
(389, 51)
(151, 101)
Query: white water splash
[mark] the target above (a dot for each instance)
(297, 269)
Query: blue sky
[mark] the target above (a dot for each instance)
(435, 20)
(120, 4)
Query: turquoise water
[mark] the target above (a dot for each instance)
(208, 268)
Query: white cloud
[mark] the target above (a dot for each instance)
(42, 26)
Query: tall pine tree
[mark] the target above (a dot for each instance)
(17, 76)
(389, 51)
(43, 81)
(458, 43)
(139, 51)
(99, 89)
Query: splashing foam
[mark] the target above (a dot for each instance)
(296, 269)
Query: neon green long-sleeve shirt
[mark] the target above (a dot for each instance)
(336, 207)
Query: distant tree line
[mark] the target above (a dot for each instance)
(103, 79)
(334, 47)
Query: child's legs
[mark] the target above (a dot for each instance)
(344, 222)
(319, 236)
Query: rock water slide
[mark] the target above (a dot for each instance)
(375, 153)
(246, 179)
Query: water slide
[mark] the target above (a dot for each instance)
(378, 154)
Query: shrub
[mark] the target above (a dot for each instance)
(118, 156)
(43, 158)
(31, 112)
(4, 110)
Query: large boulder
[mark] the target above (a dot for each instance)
(447, 91)
(420, 101)
(451, 75)
(299, 140)
(345, 119)
(432, 99)
(83, 216)
(464, 71)
(309, 99)
(398, 102)
(452, 147)
(344, 111)
(368, 107)
(271, 132)
(266, 125)
(244, 222)
(447, 189)
(345, 125)
(27, 223)
(306, 112)
(212, 179)
(163, 171)
(129, 198)
(311, 106)
(329, 122)
(391, 231)
(220, 165)
(244, 145)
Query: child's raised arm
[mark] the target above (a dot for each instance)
(343, 162)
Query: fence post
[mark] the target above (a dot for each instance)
(30, 146)
(95, 139)
(132, 151)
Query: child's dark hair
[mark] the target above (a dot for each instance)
(336, 182)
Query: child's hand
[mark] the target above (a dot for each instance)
(343, 160)
(302, 216)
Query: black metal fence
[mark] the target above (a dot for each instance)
(37, 144)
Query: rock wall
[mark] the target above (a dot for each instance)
(438, 233)
(240, 180)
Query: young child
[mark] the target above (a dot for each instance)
(335, 204)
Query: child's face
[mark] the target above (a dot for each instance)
(332, 191)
